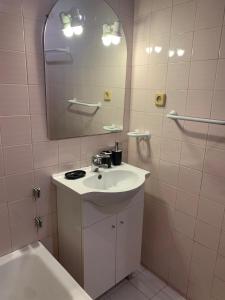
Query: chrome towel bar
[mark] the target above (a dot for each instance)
(76, 101)
(173, 115)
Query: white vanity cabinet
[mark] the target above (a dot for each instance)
(99, 246)
(99, 256)
(129, 239)
(100, 225)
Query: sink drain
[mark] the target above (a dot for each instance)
(99, 176)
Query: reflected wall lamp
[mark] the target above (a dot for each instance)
(111, 34)
(73, 23)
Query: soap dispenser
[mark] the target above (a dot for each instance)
(116, 155)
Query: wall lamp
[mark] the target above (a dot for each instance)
(73, 22)
(111, 34)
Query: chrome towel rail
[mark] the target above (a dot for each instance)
(76, 101)
(58, 55)
(60, 50)
(173, 115)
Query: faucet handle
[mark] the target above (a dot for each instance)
(96, 159)
(107, 158)
(100, 160)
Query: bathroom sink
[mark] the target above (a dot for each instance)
(113, 180)
(107, 185)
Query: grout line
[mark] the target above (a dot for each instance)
(221, 228)
(188, 89)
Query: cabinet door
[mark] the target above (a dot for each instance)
(99, 249)
(129, 239)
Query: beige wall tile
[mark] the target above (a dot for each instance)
(220, 268)
(178, 74)
(12, 7)
(184, 224)
(211, 212)
(222, 45)
(218, 105)
(18, 159)
(168, 172)
(215, 162)
(220, 75)
(202, 74)
(12, 68)
(222, 244)
(213, 188)
(207, 235)
(183, 17)
(192, 156)
(11, 104)
(206, 43)
(199, 103)
(11, 32)
(187, 203)
(142, 7)
(190, 180)
(170, 150)
(15, 130)
(218, 289)
(5, 245)
(209, 13)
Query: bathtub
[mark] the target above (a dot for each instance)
(34, 274)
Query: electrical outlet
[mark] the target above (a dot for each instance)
(107, 96)
(160, 100)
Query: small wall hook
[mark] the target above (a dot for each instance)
(38, 222)
(36, 192)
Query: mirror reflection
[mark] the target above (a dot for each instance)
(85, 67)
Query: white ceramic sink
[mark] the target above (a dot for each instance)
(113, 180)
(108, 185)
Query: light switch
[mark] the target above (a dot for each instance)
(160, 100)
(107, 95)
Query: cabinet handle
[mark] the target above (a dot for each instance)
(113, 226)
(121, 222)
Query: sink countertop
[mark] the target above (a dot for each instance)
(79, 186)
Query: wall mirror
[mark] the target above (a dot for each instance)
(85, 56)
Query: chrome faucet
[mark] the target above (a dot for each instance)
(100, 161)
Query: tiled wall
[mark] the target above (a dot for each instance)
(27, 157)
(179, 48)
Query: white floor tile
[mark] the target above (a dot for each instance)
(127, 292)
(162, 296)
(104, 297)
(118, 286)
(168, 294)
(144, 285)
(147, 283)
(173, 294)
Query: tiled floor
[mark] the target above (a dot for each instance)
(142, 286)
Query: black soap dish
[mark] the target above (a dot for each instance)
(72, 175)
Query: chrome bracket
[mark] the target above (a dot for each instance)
(36, 192)
(38, 222)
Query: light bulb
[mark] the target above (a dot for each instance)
(107, 40)
(171, 53)
(158, 49)
(180, 52)
(78, 30)
(116, 39)
(149, 50)
(68, 31)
